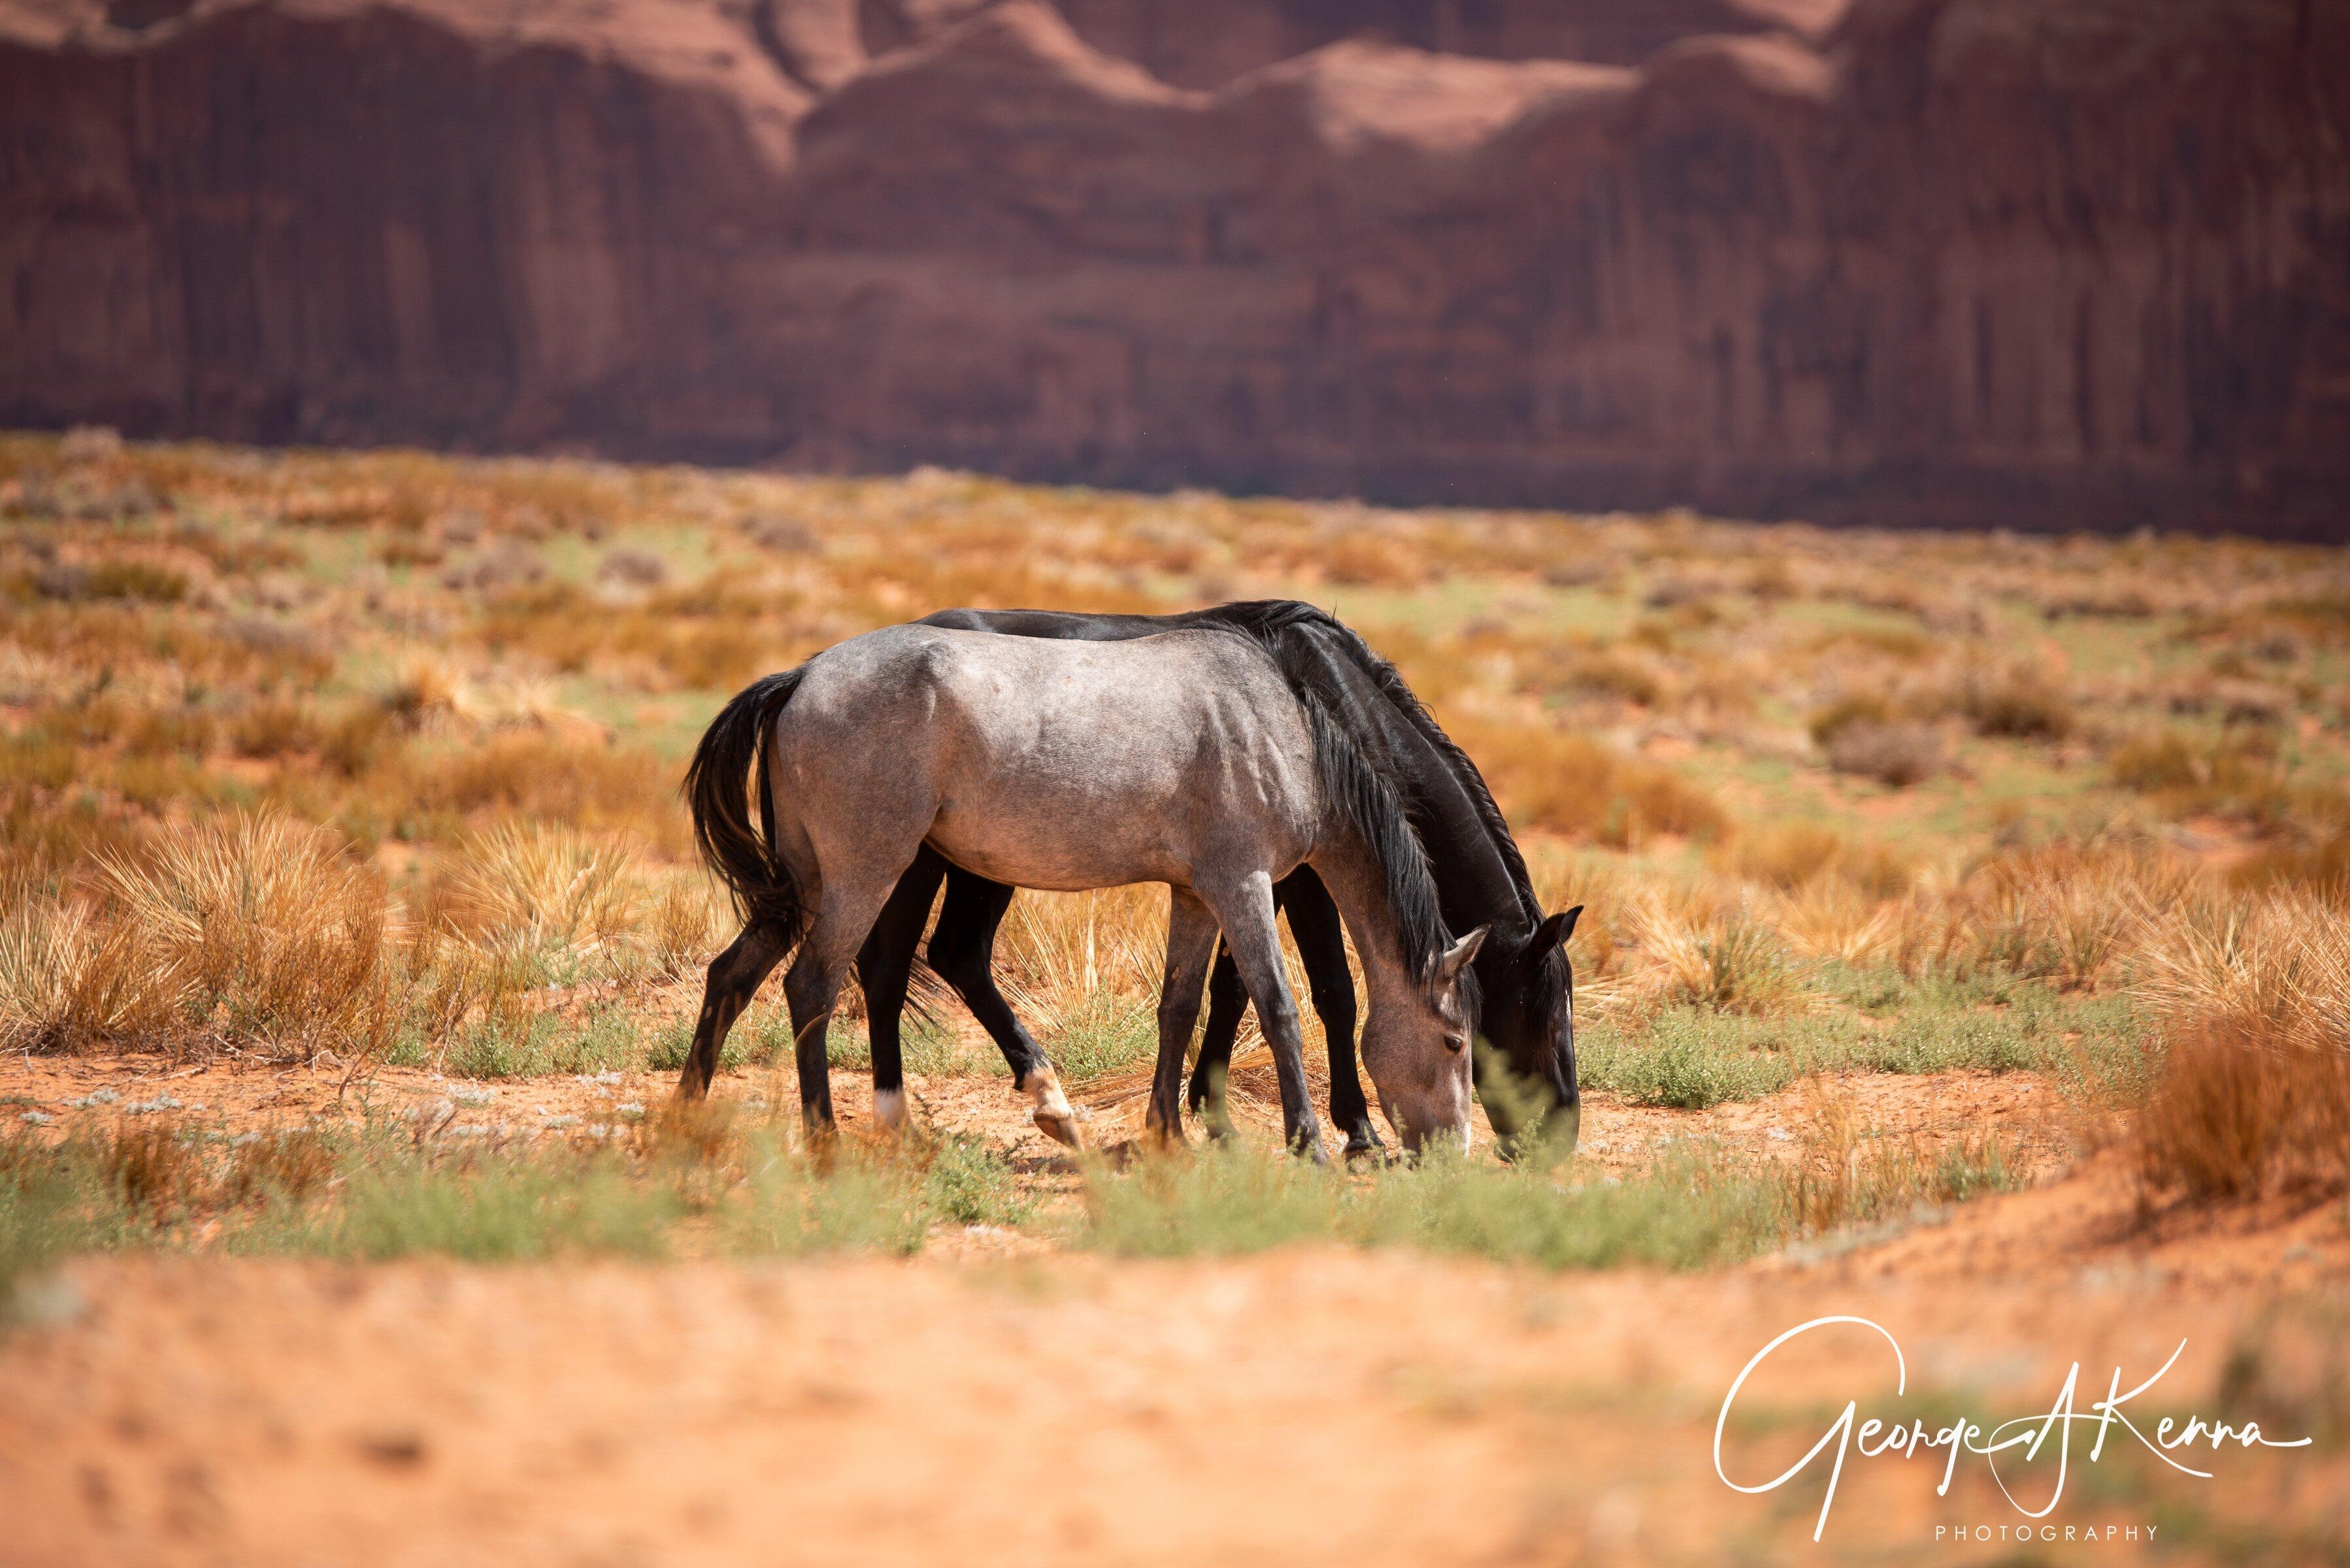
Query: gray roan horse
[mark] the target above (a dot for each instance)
(1185, 758)
(1519, 992)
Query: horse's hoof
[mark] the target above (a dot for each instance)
(1365, 1145)
(1311, 1149)
(1063, 1129)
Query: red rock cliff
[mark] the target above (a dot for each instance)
(2031, 263)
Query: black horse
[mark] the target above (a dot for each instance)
(1524, 984)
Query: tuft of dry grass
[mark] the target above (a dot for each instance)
(2276, 966)
(1845, 1172)
(1722, 959)
(1573, 785)
(1794, 855)
(2239, 1111)
(2022, 700)
(262, 935)
(69, 982)
(539, 886)
(1896, 754)
(2253, 1089)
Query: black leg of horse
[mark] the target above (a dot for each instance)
(1322, 944)
(734, 976)
(883, 965)
(963, 951)
(1228, 1003)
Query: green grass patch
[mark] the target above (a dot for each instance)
(384, 1193)
(1879, 1020)
(1106, 1035)
(1696, 1209)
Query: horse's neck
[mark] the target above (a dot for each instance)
(1472, 878)
(1345, 866)
(1473, 881)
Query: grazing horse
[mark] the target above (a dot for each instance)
(1522, 1005)
(1186, 758)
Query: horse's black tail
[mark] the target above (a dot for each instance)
(717, 784)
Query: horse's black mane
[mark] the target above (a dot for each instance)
(1298, 636)
(1291, 635)
(1268, 619)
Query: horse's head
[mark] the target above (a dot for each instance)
(1418, 1057)
(1528, 1019)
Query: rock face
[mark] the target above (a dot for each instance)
(2026, 262)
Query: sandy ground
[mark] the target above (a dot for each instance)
(1311, 1406)
(106, 1089)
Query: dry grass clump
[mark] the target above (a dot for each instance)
(1897, 754)
(1792, 855)
(2278, 964)
(1573, 785)
(2234, 772)
(2239, 1111)
(2254, 1091)
(2062, 913)
(1613, 672)
(1831, 917)
(264, 936)
(255, 935)
(633, 569)
(2320, 866)
(70, 983)
(539, 885)
(1845, 1172)
(2022, 700)
(524, 774)
(1702, 953)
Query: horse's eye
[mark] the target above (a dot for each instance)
(1456, 1043)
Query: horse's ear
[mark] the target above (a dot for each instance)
(1456, 957)
(1552, 933)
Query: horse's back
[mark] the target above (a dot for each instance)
(1054, 763)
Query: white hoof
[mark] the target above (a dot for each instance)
(1052, 1113)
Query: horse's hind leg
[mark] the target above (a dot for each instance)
(963, 953)
(734, 976)
(883, 966)
(1244, 910)
(1322, 944)
(844, 914)
(1190, 943)
(1227, 1005)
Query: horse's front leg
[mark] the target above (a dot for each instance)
(1322, 946)
(1245, 911)
(963, 953)
(1190, 946)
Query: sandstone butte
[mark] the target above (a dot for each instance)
(2048, 263)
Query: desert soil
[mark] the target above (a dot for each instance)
(984, 1404)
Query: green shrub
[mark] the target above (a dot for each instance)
(1686, 1059)
(970, 1183)
(502, 1207)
